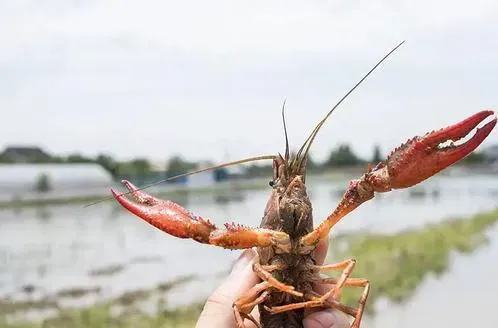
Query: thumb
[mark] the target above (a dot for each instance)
(218, 310)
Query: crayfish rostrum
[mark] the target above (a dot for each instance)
(286, 237)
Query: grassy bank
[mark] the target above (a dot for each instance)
(395, 265)
(103, 316)
(125, 310)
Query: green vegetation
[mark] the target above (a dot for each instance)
(102, 316)
(141, 169)
(377, 155)
(123, 311)
(475, 157)
(177, 165)
(397, 264)
(343, 156)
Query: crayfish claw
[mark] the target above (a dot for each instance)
(135, 208)
(423, 157)
(139, 195)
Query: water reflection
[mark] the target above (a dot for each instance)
(424, 192)
(43, 212)
(223, 199)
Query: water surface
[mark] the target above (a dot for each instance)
(55, 248)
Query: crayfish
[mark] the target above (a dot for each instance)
(286, 237)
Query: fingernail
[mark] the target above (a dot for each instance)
(243, 260)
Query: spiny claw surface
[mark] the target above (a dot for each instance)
(422, 157)
(165, 215)
(179, 222)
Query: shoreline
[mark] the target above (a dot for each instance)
(258, 183)
(58, 201)
(221, 188)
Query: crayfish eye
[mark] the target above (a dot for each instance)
(271, 183)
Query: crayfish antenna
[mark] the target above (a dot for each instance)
(219, 166)
(307, 143)
(285, 132)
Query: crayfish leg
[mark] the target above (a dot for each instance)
(331, 297)
(244, 305)
(273, 282)
(344, 280)
(352, 282)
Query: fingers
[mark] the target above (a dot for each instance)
(218, 311)
(321, 251)
(328, 318)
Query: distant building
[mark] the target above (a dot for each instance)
(235, 172)
(203, 179)
(24, 154)
(59, 180)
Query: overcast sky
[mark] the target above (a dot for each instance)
(207, 78)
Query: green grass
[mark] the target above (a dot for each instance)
(122, 311)
(102, 316)
(397, 264)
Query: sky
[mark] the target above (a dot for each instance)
(206, 79)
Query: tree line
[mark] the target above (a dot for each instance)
(341, 156)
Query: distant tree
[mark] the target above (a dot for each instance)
(136, 167)
(78, 158)
(311, 163)
(343, 156)
(57, 159)
(36, 159)
(141, 166)
(261, 170)
(5, 159)
(108, 163)
(377, 155)
(474, 158)
(42, 183)
(177, 165)
(40, 159)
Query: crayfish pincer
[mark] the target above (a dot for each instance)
(287, 237)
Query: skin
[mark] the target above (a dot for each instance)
(218, 311)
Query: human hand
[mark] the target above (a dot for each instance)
(218, 310)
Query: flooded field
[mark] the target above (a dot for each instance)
(78, 255)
